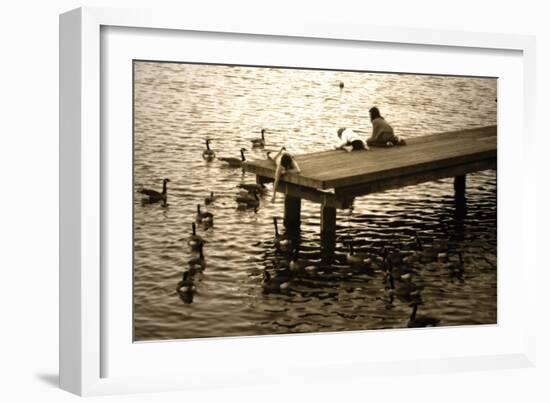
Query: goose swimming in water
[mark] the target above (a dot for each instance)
(234, 162)
(275, 284)
(197, 263)
(249, 200)
(396, 257)
(425, 255)
(252, 187)
(194, 241)
(259, 142)
(406, 290)
(298, 265)
(281, 241)
(421, 321)
(204, 217)
(208, 154)
(210, 199)
(411, 257)
(455, 265)
(186, 284)
(353, 258)
(152, 196)
(456, 268)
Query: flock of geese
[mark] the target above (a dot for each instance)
(209, 155)
(247, 198)
(396, 266)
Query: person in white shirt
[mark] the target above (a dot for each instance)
(349, 140)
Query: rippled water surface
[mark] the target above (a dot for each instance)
(178, 106)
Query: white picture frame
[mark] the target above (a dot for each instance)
(83, 302)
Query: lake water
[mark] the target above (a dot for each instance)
(178, 106)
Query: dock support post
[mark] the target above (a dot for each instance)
(328, 233)
(293, 207)
(460, 196)
(460, 187)
(328, 220)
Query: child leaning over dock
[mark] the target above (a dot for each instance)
(284, 162)
(349, 140)
(382, 132)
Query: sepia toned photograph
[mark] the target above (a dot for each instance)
(273, 200)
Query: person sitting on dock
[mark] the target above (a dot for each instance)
(285, 163)
(382, 132)
(349, 140)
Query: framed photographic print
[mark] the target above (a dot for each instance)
(249, 198)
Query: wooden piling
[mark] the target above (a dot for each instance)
(328, 220)
(293, 207)
(328, 233)
(460, 197)
(460, 187)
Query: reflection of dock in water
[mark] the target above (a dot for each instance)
(334, 178)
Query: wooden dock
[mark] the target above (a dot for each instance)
(334, 178)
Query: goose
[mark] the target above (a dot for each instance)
(208, 154)
(457, 265)
(376, 263)
(406, 290)
(442, 245)
(296, 264)
(404, 273)
(259, 142)
(234, 162)
(186, 285)
(210, 199)
(197, 263)
(194, 241)
(155, 196)
(249, 200)
(411, 257)
(357, 258)
(408, 293)
(383, 253)
(252, 187)
(425, 255)
(421, 321)
(442, 257)
(394, 256)
(205, 218)
(418, 242)
(275, 284)
(411, 250)
(281, 241)
(455, 268)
